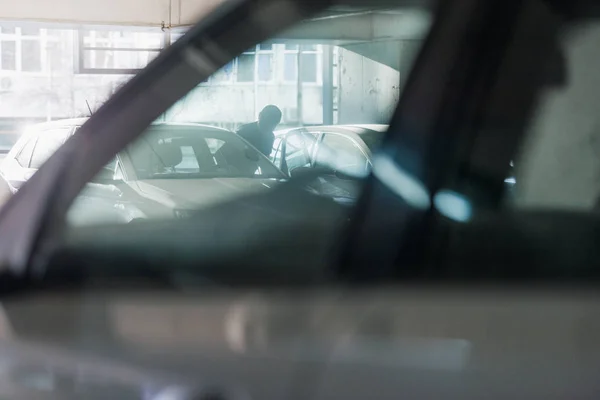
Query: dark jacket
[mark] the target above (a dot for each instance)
(262, 141)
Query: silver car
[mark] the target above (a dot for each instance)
(172, 170)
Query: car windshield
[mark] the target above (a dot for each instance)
(172, 151)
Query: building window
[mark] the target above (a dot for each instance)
(8, 49)
(310, 56)
(31, 56)
(224, 75)
(256, 63)
(23, 48)
(245, 68)
(117, 52)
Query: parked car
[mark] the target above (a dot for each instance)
(343, 152)
(171, 170)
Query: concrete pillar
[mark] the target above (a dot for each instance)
(327, 85)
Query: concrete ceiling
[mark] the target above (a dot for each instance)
(108, 12)
(360, 27)
(353, 22)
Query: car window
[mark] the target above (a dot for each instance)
(298, 150)
(276, 153)
(24, 156)
(190, 157)
(47, 143)
(187, 152)
(341, 154)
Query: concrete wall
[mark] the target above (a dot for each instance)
(234, 104)
(368, 90)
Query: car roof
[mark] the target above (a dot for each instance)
(81, 121)
(353, 128)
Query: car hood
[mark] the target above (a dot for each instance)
(195, 193)
(102, 204)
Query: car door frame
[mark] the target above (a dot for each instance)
(302, 130)
(438, 79)
(354, 138)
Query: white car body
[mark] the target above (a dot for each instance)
(131, 197)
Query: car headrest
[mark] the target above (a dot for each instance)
(169, 154)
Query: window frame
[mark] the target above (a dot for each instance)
(256, 52)
(18, 38)
(79, 56)
(316, 136)
(318, 52)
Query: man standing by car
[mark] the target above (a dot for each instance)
(260, 133)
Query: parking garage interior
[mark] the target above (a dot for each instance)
(344, 67)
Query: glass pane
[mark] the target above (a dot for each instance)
(245, 68)
(30, 31)
(9, 56)
(265, 64)
(309, 67)
(9, 30)
(187, 152)
(298, 151)
(290, 67)
(219, 141)
(31, 57)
